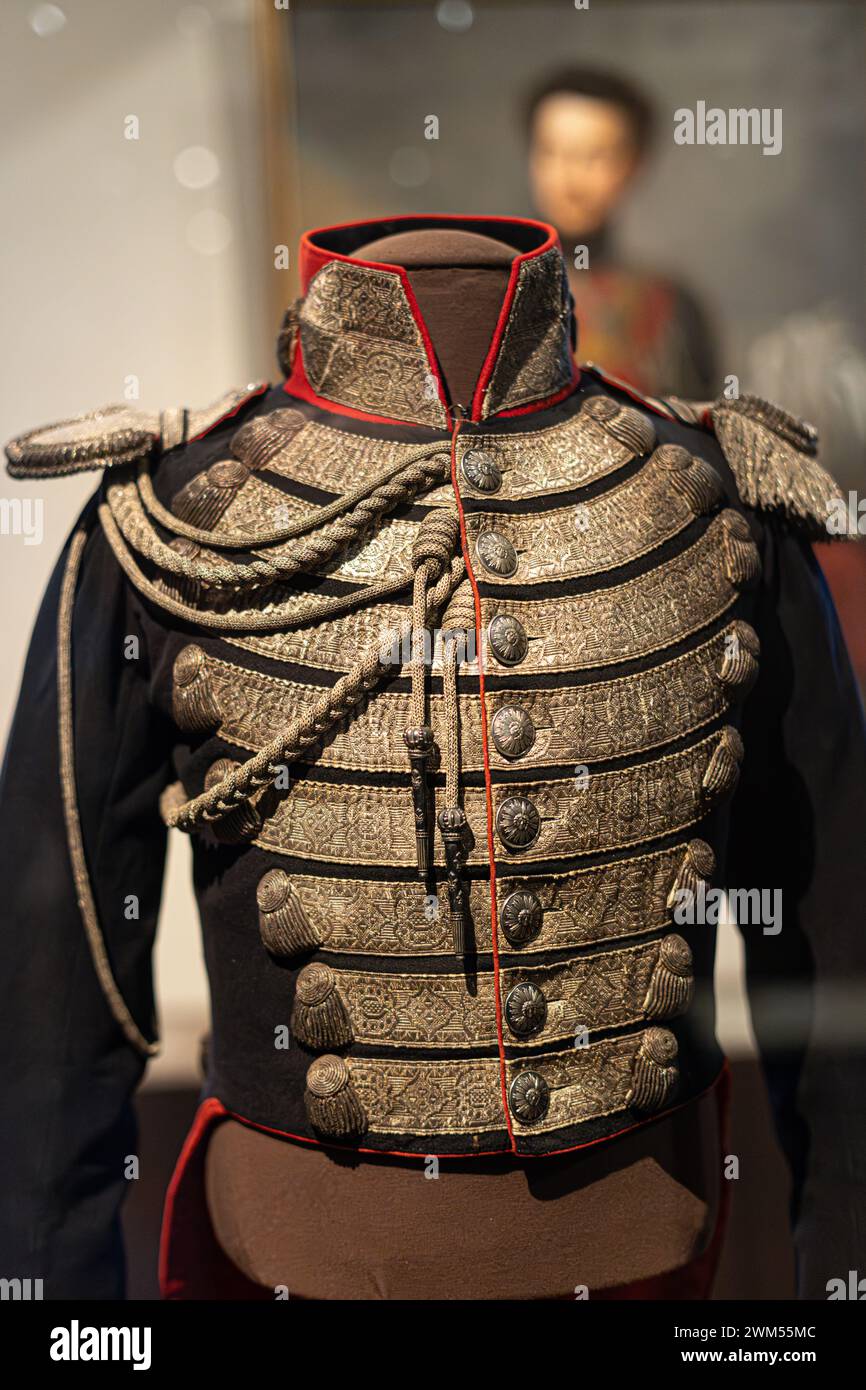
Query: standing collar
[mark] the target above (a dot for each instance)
(357, 342)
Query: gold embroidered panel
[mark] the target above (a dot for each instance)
(609, 719)
(584, 1082)
(257, 507)
(427, 1097)
(333, 645)
(445, 1011)
(642, 615)
(534, 359)
(385, 555)
(624, 898)
(610, 810)
(535, 463)
(387, 918)
(602, 533)
(576, 724)
(465, 1097)
(540, 463)
(321, 456)
(362, 348)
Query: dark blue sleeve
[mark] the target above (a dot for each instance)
(67, 1072)
(798, 826)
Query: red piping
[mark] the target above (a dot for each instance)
(258, 390)
(652, 403)
(488, 790)
(207, 1112)
(313, 257)
(504, 312)
(480, 1153)
(545, 404)
(179, 1228)
(212, 1108)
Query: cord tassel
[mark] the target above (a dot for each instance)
(452, 823)
(320, 1018)
(284, 926)
(193, 702)
(333, 1105)
(432, 553)
(655, 1072)
(672, 983)
(419, 742)
(458, 646)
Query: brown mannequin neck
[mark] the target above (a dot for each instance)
(459, 280)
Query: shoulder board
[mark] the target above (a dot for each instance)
(115, 435)
(772, 455)
(653, 403)
(774, 459)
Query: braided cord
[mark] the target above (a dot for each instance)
(275, 619)
(71, 817)
(460, 622)
(240, 540)
(260, 771)
(245, 779)
(432, 553)
(332, 538)
(438, 570)
(123, 500)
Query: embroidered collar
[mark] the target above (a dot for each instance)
(357, 339)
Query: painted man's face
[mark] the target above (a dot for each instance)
(582, 157)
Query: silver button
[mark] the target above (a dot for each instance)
(507, 637)
(525, 1010)
(529, 1097)
(518, 822)
(513, 731)
(521, 917)
(496, 553)
(481, 470)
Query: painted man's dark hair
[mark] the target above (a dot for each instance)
(603, 86)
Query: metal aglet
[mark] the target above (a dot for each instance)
(452, 823)
(419, 742)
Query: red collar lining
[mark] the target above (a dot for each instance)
(314, 257)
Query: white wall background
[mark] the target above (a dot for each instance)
(111, 267)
